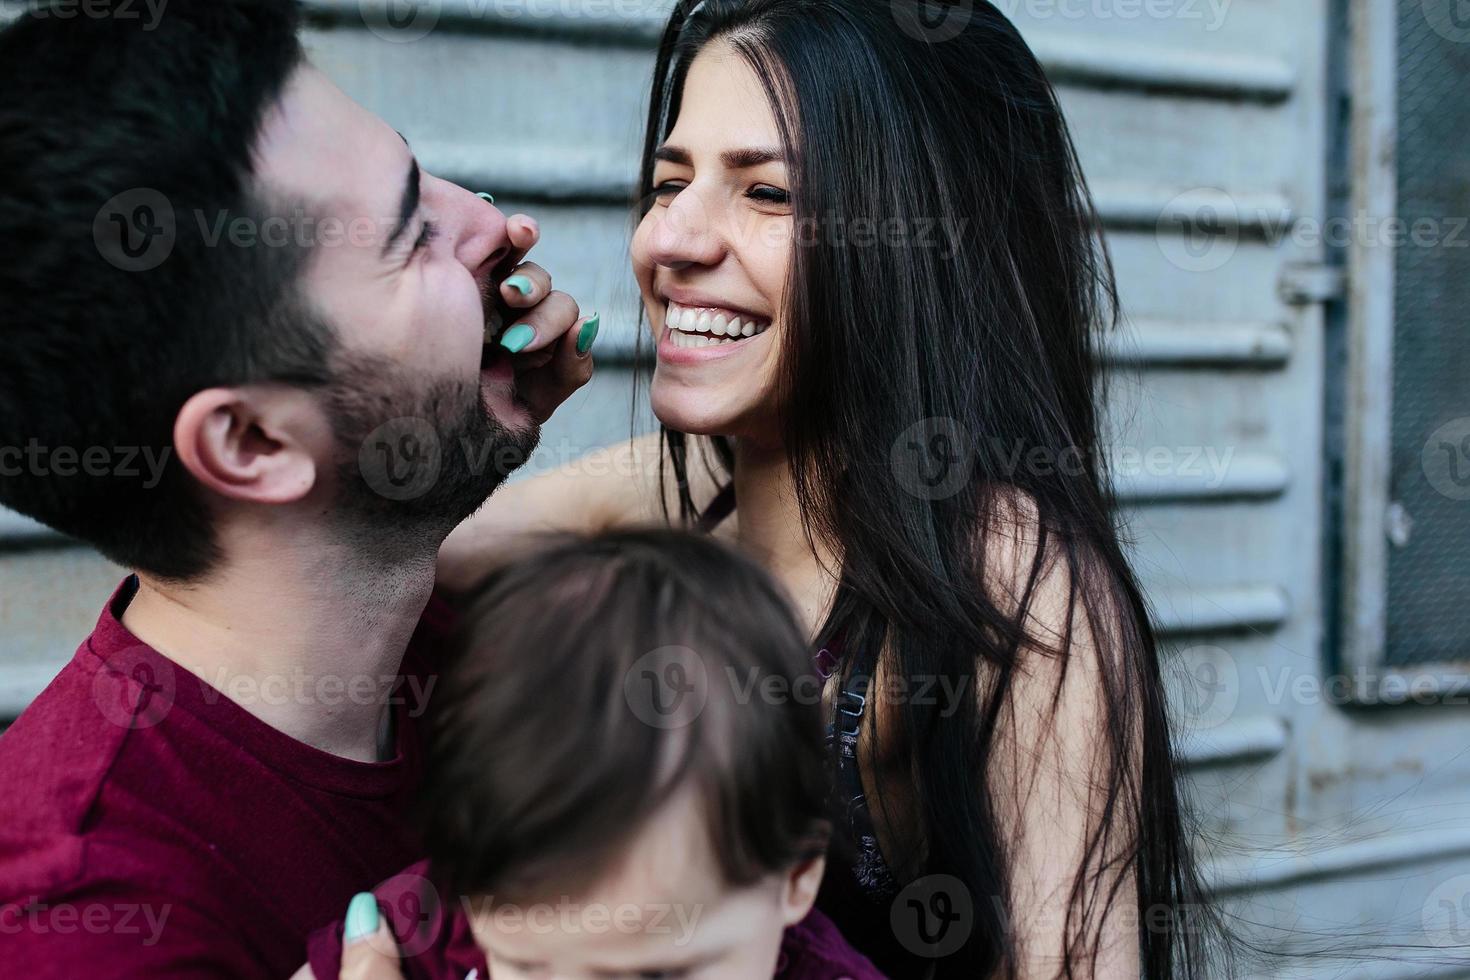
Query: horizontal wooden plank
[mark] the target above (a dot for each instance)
(1178, 343)
(1068, 57)
(19, 528)
(1182, 475)
(570, 173)
(1180, 210)
(1081, 60)
(1236, 741)
(1283, 867)
(1217, 609)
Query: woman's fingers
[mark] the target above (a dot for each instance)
(368, 949)
(528, 285)
(542, 326)
(566, 367)
(523, 233)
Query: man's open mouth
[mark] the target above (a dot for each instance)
(495, 360)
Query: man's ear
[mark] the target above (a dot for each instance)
(799, 893)
(257, 443)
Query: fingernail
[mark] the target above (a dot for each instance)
(362, 917)
(520, 284)
(486, 195)
(588, 334)
(517, 337)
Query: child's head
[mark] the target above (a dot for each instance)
(626, 775)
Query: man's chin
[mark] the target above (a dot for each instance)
(506, 407)
(422, 454)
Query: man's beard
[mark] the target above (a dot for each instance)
(417, 454)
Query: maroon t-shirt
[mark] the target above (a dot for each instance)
(151, 827)
(435, 941)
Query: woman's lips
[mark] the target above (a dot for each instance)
(695, 335)
(712, 322)
(670, 352)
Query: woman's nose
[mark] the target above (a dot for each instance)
(685, 233)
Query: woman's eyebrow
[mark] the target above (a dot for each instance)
(751, 157)
(733, 159)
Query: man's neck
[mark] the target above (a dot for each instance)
(308, 638)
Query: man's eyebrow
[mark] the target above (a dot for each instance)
(741, 159)
(408, 206)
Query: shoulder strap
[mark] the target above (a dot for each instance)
(719, 508)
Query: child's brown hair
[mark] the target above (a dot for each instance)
(590, 681)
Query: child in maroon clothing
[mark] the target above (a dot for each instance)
(624, 777)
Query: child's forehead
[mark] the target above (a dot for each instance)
(671, 858)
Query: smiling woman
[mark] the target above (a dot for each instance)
(860, 428)
(857, 433)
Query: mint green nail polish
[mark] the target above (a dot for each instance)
(362, 917)
(520, 284)
(588, 334)
(517, 337)
(486, 196)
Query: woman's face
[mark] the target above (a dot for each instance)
(712, 255)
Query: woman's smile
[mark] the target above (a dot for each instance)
(703, 330)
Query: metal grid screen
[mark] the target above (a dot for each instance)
(1429, 564)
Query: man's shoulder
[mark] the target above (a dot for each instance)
(57, 757)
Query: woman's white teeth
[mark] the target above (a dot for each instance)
(703, 328)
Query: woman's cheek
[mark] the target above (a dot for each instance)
(642, 264)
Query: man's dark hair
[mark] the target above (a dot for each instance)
(125, 146)
(589, 683)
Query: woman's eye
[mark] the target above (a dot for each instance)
(668, 189)
(767, 194)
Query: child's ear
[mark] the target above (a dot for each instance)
(799, 892)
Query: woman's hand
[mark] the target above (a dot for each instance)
(368, 949)
(549, 340)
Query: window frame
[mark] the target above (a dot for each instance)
(1367, 394)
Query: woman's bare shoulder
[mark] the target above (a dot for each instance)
(620, 485)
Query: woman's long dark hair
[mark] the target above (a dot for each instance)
(980, 347)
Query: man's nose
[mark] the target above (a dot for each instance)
(480, 237)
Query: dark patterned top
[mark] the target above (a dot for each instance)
(869, 869)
